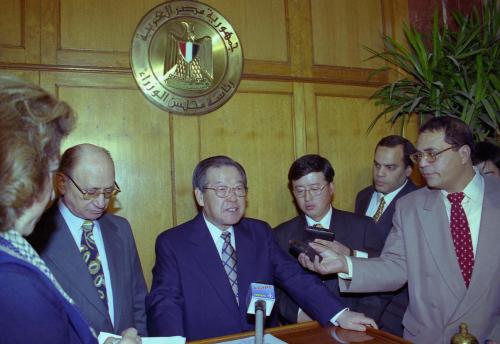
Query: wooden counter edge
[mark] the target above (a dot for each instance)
(287, 329)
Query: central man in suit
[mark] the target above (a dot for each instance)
(92, 253)
(311, 180)
(392, 168)
(204, 267)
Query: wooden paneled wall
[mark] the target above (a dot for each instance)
(305, 89)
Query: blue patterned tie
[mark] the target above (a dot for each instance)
(229, 262)
(90, 256)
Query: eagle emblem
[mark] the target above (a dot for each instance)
(188, 60)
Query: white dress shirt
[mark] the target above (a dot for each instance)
(472, 204)
(216, 232)
(75, 227)
(388, 198)
(473, 207)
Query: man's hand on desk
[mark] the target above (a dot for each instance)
(129, 336)
(332, 261)
(355, 321)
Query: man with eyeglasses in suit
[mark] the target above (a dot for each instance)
(92, 253)
(204, 266)
(311, 182)
(444, 243)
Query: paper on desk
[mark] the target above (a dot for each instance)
(268, 339)
(146, 340)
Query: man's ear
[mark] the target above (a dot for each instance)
(465, 153)
(199, 197)
(408, 170)
(60, 183)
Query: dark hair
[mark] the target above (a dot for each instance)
(32, 124)
(308, 164)
(487, 151)
(200, 171)
(396, 140)
(72, 155)
(456, 132)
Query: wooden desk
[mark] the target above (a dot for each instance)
(312, 333)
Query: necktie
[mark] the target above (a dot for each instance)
(380, 209)
(460, 233)
(229, 261)
(318, 226)
(90, 256)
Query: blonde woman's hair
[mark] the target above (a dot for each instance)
(32, 125)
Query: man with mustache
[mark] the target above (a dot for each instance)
(444, 243)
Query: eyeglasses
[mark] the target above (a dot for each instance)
(429, 156)
(93, 194)
(223, 191)
(315, 191)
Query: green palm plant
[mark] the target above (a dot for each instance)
(456, 76)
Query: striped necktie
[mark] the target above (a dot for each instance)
(380, 209)
(90, 256)
(229, 261)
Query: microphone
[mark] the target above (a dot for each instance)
(261, 301)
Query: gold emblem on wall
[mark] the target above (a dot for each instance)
(186, 57)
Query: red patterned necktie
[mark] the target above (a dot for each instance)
(460, 233)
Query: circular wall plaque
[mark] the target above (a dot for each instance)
(186, 58)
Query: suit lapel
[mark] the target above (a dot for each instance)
(245, 254)
(335, 224)
(65, 257)
(487, 253)
(113, 244)
(206, 256)
(435, 226)
(365, 201)
(386, 218)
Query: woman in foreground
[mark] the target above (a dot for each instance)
(33, 306)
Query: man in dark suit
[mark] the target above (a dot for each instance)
(311, 181)
(444, 243)
(90, 252)
(392, 167)
(204, 267)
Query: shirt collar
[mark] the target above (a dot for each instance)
(74, 222)
(215, 232)
(391, 195)
(474, 190)
(325, 221)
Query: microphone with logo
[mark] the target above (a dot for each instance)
(260, 302)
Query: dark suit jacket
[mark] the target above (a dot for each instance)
(53, 241)
(32, 310)
(396, 302)
(350, 230)
(191, 295)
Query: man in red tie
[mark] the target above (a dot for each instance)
(444, 243)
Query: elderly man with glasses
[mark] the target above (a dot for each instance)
(311, 181)
(444, 243)
(90, 252)
(204, 267)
